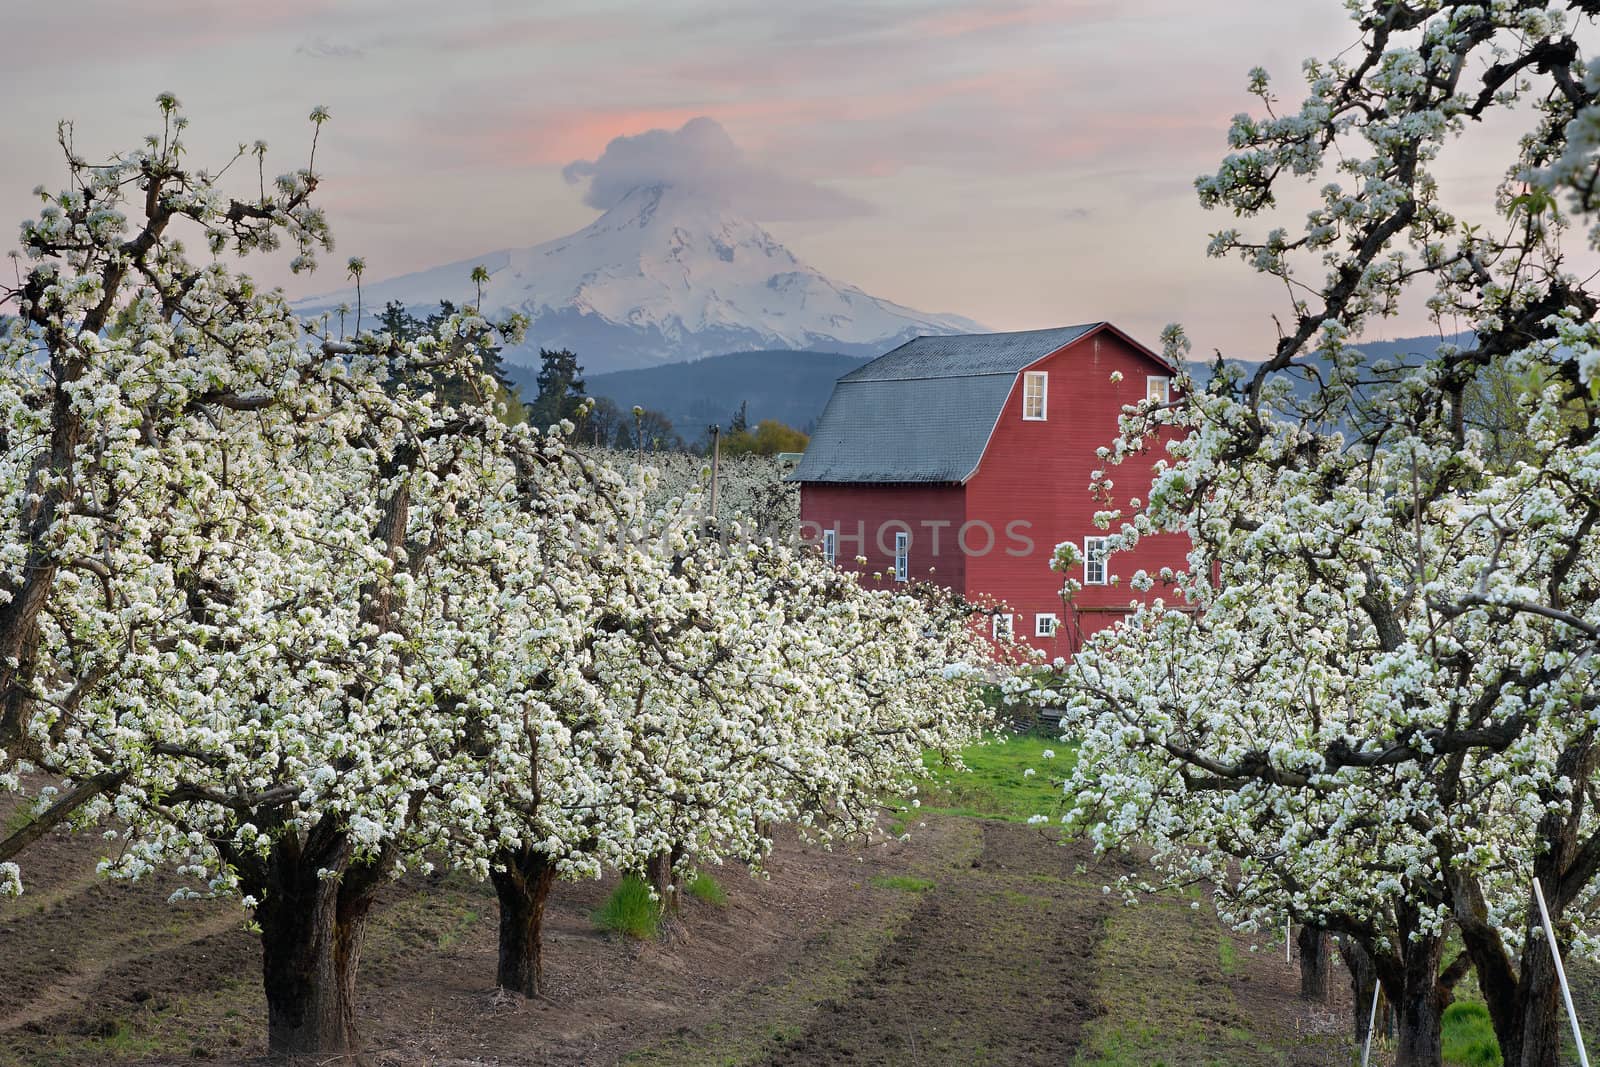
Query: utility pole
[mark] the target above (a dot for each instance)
(716, 462)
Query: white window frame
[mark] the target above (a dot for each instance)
(1045, 623)
(1002, 630)
(1043, 378)
(902, 555)
(830, 545)
(1095, 555)
(1161, 386)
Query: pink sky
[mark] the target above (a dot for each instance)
(1026, 164)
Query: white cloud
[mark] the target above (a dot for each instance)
(702, 158)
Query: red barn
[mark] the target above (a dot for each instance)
(965, 460)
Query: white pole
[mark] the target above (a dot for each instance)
(1288, 940)
(1372, 1023)
(1561, 973)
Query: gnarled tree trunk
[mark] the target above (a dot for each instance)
(1363, 978)
(1419, 1005)
(311, 936)
(1541, 1018)
(1314, 959)
(522, 879)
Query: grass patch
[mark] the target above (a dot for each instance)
(452, 934)
(903, 882)
(1469, 1039)
(704, 888)
(1227, 955)
(1162, 1003)
(996, 785)
(631, 910)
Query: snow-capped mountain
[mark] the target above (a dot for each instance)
(663, 276)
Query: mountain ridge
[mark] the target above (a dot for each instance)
(662, 277)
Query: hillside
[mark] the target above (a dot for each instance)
(792, 387)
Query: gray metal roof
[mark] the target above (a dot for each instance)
(923, 412)
(963, 355)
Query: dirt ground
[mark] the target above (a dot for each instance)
(974, 942)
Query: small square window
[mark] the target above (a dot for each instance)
(1158, 389)
(830, 545)
(1035, 389)
(902, 555)
(1044, 624)
(1094, 561)
(1002, 626)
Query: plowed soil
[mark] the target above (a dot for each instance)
(991, 967)
(974, 942)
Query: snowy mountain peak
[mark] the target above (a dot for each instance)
(663, 276)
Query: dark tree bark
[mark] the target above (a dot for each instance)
(1419, 1005)
(311, 936)
(1363, 978)
(662, 872)
(1537, 1041)
(1523, 1001)
(522, 880)
(1314, 960)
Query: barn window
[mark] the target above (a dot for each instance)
(1044, 624)
(1158, 389)
(902, 555)
(1002, 626)
(1094, 561)
(1035, 386)
(830, 545)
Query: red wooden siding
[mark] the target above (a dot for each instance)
(1037, 473)
(867, 517)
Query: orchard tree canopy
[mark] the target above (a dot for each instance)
(299, 616)
(1374, 687)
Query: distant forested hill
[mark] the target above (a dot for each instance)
(1403, 351)
(792, 387)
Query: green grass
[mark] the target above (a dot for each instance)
(1469, 1036)
(704, 888)
(452, 934)
(1156, 975)
(1227, 955)
(631, 910)
(995, 785)
(903, 882)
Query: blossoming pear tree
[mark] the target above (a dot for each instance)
(115, 351)
(677, 689)
(1369, 702)
(297, 623)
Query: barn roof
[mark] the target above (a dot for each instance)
(967, 355)
(923, 413)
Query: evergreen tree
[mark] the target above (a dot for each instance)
(454, 388)
(396, 321)
(561, 388)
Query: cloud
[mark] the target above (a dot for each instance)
(702, 158)
(322, 48)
